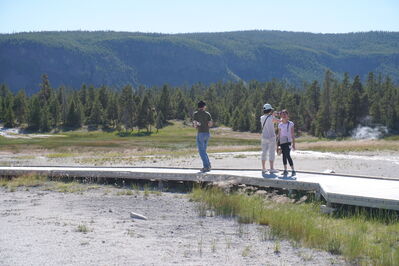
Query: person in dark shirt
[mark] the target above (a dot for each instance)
(202, 121)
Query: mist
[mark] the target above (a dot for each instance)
(366, 132)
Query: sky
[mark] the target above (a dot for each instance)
(181, 16)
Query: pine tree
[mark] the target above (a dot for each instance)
(352, 109)
(338, 107)
(34, 113)
(388, 109)
(45, 90)
(143, 114)
(181, 108)
(127, 106)
(311, 103)
(62, 99)
(112, 111)
(9, 117)
(159, 121)
(255, 124)
(373, 90)
(44, 119)
(236, 120)
(20, 107)
(1, 109)
(103, 96)
(55, 111)
(5, 96)
(150, 118)
(323, 118)
(74, 117)
(164, 104)
(363, 98)
(97, 113)
(83, 95)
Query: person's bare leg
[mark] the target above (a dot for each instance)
(263, 165)
(271, 165)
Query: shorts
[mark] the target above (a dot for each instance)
(268, 149)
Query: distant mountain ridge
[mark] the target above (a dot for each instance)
(118, 58)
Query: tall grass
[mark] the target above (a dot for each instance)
(360, 239)
(25, 180)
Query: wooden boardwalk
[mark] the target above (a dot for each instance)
(342, 189)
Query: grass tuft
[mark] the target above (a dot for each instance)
(360, 239)
(82, 228)
(25, 180)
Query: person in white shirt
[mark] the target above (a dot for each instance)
(268, 141)
(286, 137)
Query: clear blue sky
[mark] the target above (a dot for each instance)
(175, 16)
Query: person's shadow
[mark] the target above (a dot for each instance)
(283, 176)
(286, 177)
(268, 175)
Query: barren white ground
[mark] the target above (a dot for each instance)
(379, 163)
(40, 227)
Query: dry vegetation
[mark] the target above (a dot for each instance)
(177, 140)
(360, 237)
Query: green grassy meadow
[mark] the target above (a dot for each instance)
(171, 139)
(176, 139)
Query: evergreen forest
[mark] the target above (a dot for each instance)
(331, 108)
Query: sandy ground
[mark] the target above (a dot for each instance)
(41, 227)
(380, 163)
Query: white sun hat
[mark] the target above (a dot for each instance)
(267, 106)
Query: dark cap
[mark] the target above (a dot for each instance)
(201, 104)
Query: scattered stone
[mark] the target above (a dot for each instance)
(329, 171)
(137, 216)
(224, 185)
(109, 210)
(327, 210)
(302, 200)
(261, 193)
(282, 199)
(249, 189)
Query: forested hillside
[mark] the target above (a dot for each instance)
(332, 108)
(115, 59)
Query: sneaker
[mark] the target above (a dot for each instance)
(293, 173)
(264, 171)
(205, 169)
(273, 171)
(285, 172)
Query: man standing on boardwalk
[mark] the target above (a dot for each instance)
(202, 121)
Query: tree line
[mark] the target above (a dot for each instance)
(331, 109)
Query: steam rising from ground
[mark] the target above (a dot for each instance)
(363, 132)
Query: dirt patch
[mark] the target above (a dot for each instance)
(94, 227)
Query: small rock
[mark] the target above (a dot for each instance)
(326, 209)
(302, 199)
(328, 171)
(137, 216)
(109, 210)
(261, 193)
